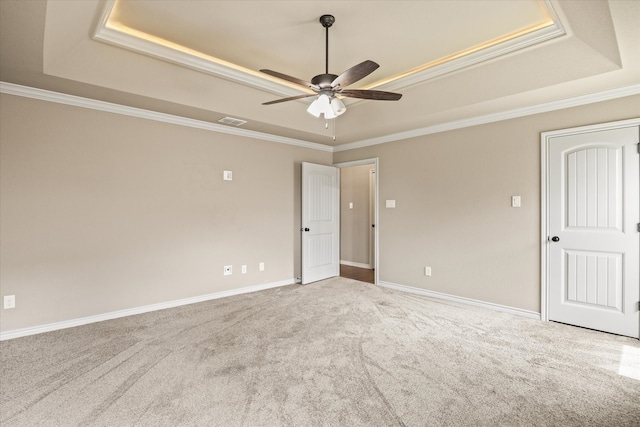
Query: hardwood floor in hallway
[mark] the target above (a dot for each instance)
(356, 273)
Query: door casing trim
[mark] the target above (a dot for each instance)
(371, 161)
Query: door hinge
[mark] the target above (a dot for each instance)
(639, 227)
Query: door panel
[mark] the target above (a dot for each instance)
(594, 278)
(320, 222)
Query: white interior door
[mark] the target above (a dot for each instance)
(320, 222)
(594, 243)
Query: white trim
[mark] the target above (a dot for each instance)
(76, 101)
(533, 38)
(17, 333)
(545, 138)
(187, 57)
(544, 232)
(356, 264)
(372, 161)
(576, 101)
(461, 300)
(165, 50)
(376, 162)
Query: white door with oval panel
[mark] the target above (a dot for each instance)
(593, 247)
(320, 222)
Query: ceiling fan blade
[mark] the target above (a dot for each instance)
(291, 98)
(290, 79)
(378, 95)
(355, 73)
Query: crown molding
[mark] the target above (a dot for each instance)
(496, 117)
(170, 52)
(446, 66)
(77, 101)
(131, 39)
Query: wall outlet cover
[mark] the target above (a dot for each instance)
(9, 301)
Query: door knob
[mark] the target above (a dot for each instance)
(555, 239)
(304, 229)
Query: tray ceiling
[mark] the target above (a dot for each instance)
(453, 61)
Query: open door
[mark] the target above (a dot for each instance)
(320, 222)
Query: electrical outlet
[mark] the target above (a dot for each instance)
(427, 271)
(9, 301)
(244, 269)
(261, 267)
(228, 270)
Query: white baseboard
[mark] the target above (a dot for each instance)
(462, 300)
(356, 264)
(17, 333)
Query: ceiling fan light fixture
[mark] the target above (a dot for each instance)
(320, 105)
(338, 106)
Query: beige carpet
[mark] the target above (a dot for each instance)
(333, 353)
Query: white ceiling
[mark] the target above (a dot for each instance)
(451, 60)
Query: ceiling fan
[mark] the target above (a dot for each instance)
(329, 87)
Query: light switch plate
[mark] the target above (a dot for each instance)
(227, 175)
(516, 201)
(390, 203)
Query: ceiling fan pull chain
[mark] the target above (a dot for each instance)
(334, 128)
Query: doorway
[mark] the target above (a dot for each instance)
(590, 224)
(358, 218)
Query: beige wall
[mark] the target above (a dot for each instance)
(103, 212)
(453, 213)
(354, 223)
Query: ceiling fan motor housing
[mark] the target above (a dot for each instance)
(323, 81)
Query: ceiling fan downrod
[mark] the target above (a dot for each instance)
(327, 21)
